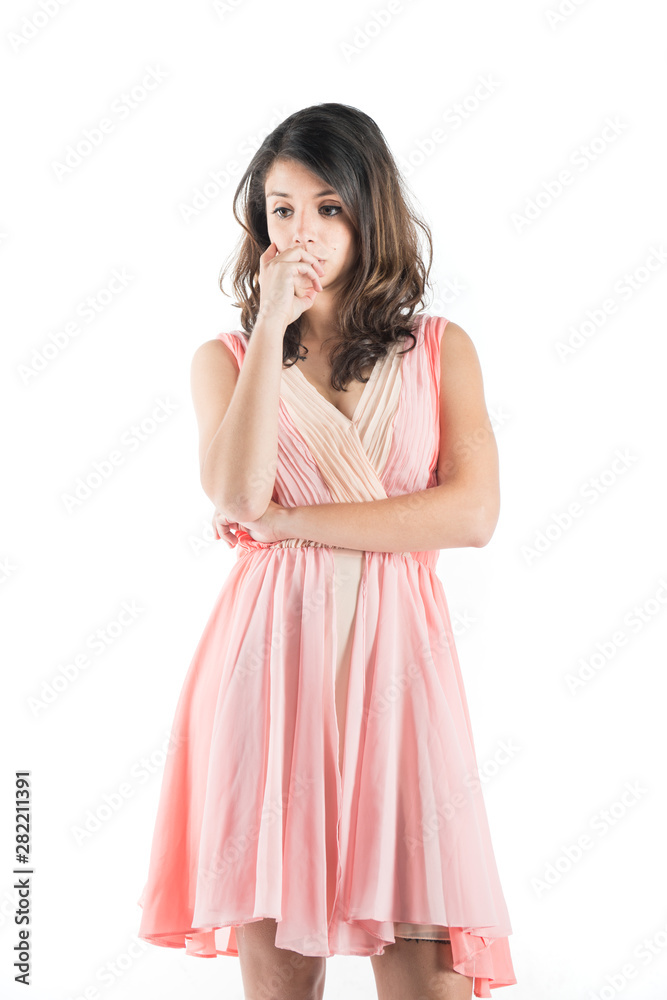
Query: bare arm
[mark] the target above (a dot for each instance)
(237, 414)
(432, 519)
(237, 411)
(462, 510)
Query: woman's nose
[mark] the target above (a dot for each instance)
(304, 229)
(307, 244)
(304, 235)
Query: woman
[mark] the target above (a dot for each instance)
(323, 796)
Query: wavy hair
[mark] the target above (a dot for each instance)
(346, 149)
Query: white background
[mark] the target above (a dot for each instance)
(230, 74)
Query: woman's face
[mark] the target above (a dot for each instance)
(298, 214)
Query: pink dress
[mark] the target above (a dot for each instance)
(322, 768)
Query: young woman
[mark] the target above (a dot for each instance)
(322, 795)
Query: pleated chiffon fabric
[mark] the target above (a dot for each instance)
(323, 770)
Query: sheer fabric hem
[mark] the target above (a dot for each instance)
(484, 959)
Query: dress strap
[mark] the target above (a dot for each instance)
(236, 342)
(433, 330)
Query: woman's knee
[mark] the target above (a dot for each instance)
(284, 980)
(271, 973)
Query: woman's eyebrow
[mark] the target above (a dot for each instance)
(282, 194)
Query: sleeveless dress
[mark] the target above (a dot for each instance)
(322, 769)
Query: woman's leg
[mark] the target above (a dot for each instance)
(271, 973)
(419, 970)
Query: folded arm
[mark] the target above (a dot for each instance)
(436, 518)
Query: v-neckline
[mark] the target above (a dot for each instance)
(372, 378)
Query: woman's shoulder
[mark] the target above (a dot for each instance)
(428, 328)
(448, 346)
(225, 345)
(435, 326)
(236, 340)
(455, 356)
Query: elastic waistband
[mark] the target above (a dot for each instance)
(246, 541)
(247, 544)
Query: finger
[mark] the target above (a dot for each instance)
(302, 253)
(225, 537)
(303, 267)
(304, 272)
(270, 252)
(220, 523)
(306, 262)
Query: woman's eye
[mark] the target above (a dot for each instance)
(280, 208)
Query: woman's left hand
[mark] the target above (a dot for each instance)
(266, 528)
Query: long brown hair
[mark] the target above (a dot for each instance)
(346, 149)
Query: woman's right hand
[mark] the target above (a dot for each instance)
(289, 282)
